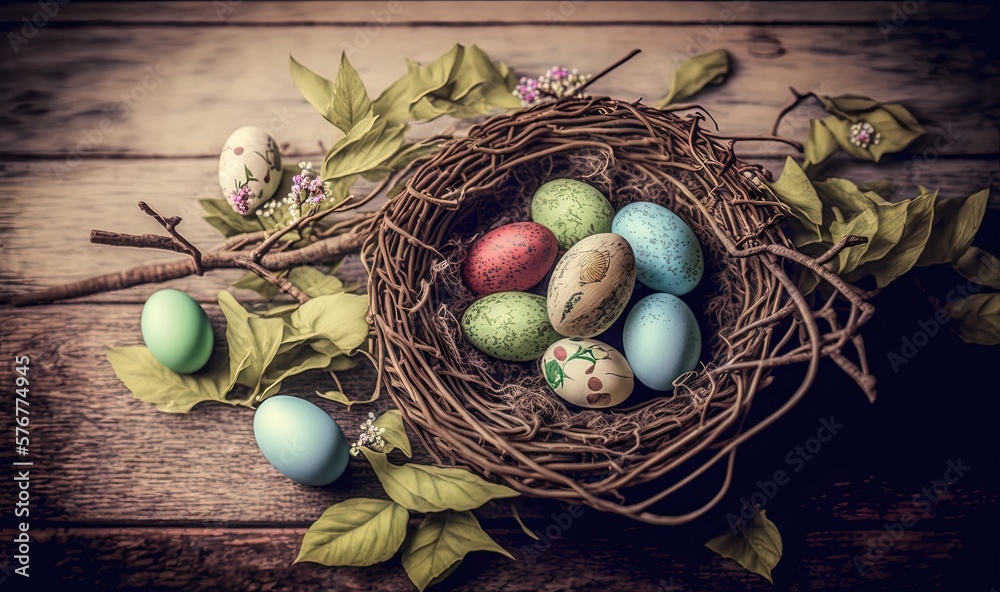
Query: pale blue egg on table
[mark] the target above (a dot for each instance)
(301, 440)
(177, 331)
(662, 340)
(668, 256)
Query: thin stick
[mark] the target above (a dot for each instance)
(799, 97)
(317, 252)
(170, 225)
(281, 283)
(605, 71)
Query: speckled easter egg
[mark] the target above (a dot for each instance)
(177, 331)
(587, 372)
(510, 326)
(250, 158)
(301, 440)
(513, 257)
(571, 210)
(662, 340)
(591, 285)
(668, 256)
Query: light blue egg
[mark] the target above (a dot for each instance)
(661, 340)
(667, 253)
(300, 440)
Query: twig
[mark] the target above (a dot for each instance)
(799, 97)
(139, 241)
(281, 283)
(170, 225)
(160, 272)
(605, 72)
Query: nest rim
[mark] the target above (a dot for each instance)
(459, 414)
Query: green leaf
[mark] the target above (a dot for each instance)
(897, 127)
(252, 281)
(695, 74)
(393, 105)
(152, 382)
(288, 364)
(339, 397)
(524, 527)
(357, 532)
(441, 541)
(395, 433)
(978, 318)
(756, 546)
(980, 267)
(350, 102)
(369, 144)
(316, 89)
(794, 189)
(253, 342)
(903, 256)
(956, 222)
(434, 489)
(314, 282)
(341, 320)
(220, 215)
(821, 143)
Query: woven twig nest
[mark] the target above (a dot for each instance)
(498, 418)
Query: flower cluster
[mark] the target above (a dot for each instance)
(307, 188)
(370, 437)
(863, 134)
(554, 83)
(240, 198)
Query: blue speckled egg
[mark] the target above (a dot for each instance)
(662, 340)
(667, 253)
(300, 440)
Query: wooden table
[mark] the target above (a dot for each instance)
(107, 104)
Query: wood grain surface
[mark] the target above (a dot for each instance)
(109, 103)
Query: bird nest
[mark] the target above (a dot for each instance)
(498, 418)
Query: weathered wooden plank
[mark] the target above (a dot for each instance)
(410, 14)
(45, 227)
(142, 465)
(631, 559)
(133, 91)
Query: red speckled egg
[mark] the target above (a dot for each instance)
(513, 257)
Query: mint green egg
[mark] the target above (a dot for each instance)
(571, 210)
(511, 326)
(177, 331)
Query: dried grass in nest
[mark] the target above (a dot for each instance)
(498, 418)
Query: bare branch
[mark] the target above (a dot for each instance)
(170, 225)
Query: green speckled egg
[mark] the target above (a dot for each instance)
(177, 331)
(511, 326)
(571, 210)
